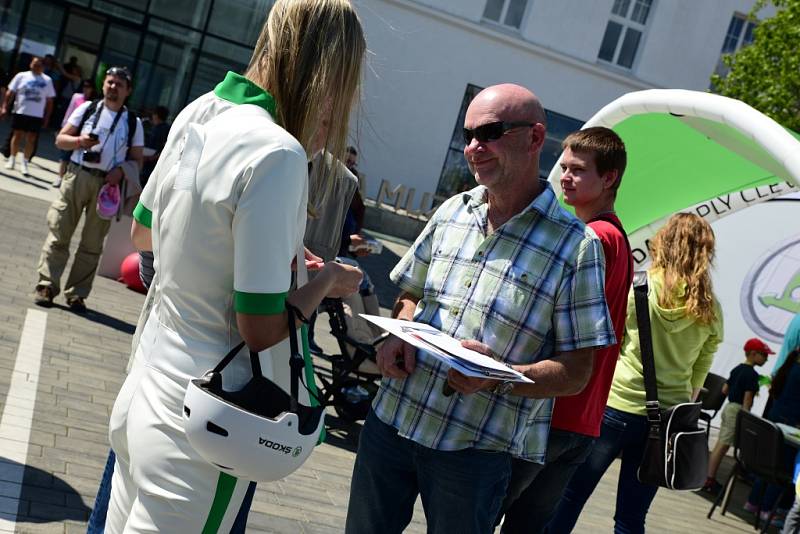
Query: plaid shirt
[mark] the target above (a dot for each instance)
(533, 288)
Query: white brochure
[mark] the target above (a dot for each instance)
(448, 349)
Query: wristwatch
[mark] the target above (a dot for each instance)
(503, 388)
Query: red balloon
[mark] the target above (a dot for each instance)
(129, 273)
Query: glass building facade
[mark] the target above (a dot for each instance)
(176, 49)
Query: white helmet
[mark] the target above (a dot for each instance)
(258, 433)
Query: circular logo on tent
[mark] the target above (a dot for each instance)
(296, 452)
(770, 295)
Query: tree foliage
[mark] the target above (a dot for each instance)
(766, 74)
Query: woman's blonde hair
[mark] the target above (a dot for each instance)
(683, 250)
(309, 56)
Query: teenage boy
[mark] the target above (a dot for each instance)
(592, 165)
(741, 388)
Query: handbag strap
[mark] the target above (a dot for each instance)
(648, 360)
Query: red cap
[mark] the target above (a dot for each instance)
(758, 346)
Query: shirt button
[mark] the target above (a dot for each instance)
(480, 253)
(454, 311)
(468, 284)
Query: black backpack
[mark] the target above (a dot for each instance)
(131, 119)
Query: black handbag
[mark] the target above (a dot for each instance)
(676, 451)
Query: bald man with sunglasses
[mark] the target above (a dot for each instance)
(505, 269)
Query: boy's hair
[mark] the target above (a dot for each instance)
(606, 147)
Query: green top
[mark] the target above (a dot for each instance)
(683, 351)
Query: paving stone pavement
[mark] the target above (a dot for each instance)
(83, 364)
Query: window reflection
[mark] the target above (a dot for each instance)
(190, 12)
(239, 20)
(216, 58)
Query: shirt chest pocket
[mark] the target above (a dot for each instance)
(520, 291)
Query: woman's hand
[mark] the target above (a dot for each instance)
(313, 262)
(343, 279)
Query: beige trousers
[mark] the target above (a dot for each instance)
(78, 196)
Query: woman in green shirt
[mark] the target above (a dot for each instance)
(686, 324)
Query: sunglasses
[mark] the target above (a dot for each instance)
(121, 72)
(493, 130)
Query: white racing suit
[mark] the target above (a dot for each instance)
(227, 205)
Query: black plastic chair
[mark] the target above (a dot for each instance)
(712, 398)
(759, 450)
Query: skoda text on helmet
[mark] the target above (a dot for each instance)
(259, 432)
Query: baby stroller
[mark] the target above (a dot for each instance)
(353, 381)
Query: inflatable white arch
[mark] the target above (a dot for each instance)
(729, 122)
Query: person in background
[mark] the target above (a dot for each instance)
(86, 95)
(791, 341)
(350, 224)
(31, 93)
(155, 140)
(686, 326)
(785, 408)
(102, 144)
(592, 166)
(741, 388)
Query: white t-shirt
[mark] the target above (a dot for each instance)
(114, 149)
(32, 92)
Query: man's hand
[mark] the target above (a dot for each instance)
(3, 112)
(114, 176)
(469, 384)
(359, 246)
(396, 358)
(86, 141)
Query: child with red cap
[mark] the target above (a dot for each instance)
(741, 387)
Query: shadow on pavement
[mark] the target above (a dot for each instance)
(342, 434)
(35, 182)
(44, 498)
(101, 318)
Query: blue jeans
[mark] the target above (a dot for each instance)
(535, 489)
(624, 433)
(97, 520)
(461, 490)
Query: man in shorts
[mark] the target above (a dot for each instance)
(32, 94)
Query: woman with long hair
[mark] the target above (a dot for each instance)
(686, 325)
(224, 213)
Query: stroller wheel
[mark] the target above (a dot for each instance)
(353, 399)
